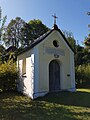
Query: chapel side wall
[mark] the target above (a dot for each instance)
(72, 68)
(27, 74)
(36, 71)
(67, 83)
(45, 59)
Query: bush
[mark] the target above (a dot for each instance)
(8, 76)
(83, 76)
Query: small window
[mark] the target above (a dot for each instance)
(55, 43)
(24, 66)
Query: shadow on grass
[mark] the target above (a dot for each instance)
(54, 106)
(78, 98)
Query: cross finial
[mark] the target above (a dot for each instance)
(55, 17)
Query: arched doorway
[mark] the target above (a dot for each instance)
(54, 76)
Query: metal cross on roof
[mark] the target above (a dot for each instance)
(55, 17)
(88, 13)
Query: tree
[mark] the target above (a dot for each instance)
(79, 55)
(2, 22)
(37, 28)
(32, 30)
(70, 38)
(21, 34)
(87, 41)
(82, 55)
(2, 50)
(12, 35)
(86, 56)
(26, 35)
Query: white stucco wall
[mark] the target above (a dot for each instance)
(72, 72)
(26, 65)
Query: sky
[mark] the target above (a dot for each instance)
(72, 14)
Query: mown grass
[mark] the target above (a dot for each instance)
(54, 106)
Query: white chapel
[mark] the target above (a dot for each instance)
(47, 65)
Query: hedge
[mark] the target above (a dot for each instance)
(83, 75)
(8, 76)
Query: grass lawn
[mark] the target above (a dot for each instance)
(54, 106)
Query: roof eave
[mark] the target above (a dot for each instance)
(55, 27)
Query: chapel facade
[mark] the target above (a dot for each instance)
(47, 65)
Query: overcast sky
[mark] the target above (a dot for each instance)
(71, 13)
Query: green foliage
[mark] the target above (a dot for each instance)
(70, 38)
(82, 55)
(26, 35)
(12, 35)
(37, 28)
(83, 76)
(2, 50)
(32, 30)
(78, 56)
(87, 41)
(2, 22)
(8, 75)
(20, 34)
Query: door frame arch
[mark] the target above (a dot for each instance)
(55, 79)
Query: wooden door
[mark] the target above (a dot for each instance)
(54, 76)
